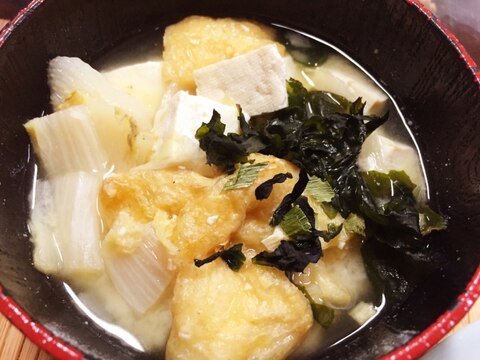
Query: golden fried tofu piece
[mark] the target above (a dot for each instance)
(338, 279)
(259, 212)
(198, 41)
(200, 215)
(206, 223)
(142, 193)
(265, 208)
(256, 313)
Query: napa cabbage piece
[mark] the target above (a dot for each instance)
(150, 328)
(136, 262)
(66, 141)
(122, 122)
(142, 81)
(65, 225)
(70, 76)
(256, 313)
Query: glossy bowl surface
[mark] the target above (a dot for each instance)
(399, 42)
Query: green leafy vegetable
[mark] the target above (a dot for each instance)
(321, 133)
(304, 205)
(329, 210)
(233, 256)
(296, 93)
(304, 246)
(288, 200)
(390, 208)
(319, 190)
(322, 314)
(355, 224)
(332, 231)
(429, 221)
(396, 273)
(295, 222)
(304, 50)
(264, 190)
(245, 176)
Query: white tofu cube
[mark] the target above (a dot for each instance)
(382, 154)
(256, 81)
(339, 76)
(176, 124)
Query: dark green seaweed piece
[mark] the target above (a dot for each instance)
(233, 256)
(223, 150)
(289, 200)
(264, 190)
(304, 50)
(322, 314)
(292, 255)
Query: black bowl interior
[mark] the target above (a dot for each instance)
(391, 39)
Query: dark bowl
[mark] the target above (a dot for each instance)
(397, 41)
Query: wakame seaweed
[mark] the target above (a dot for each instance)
(322, 133)
(322, 314)
(223, 150)
(303, 50)
(232, 256)
(264, 190)
(304, 246)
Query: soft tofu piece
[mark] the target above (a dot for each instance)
(255, 80)
(142, 81)
(382, 154)
(176, 124)
(339, 76)
(362, 312)
(256, 313)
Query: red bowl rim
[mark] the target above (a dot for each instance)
(411, 350)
